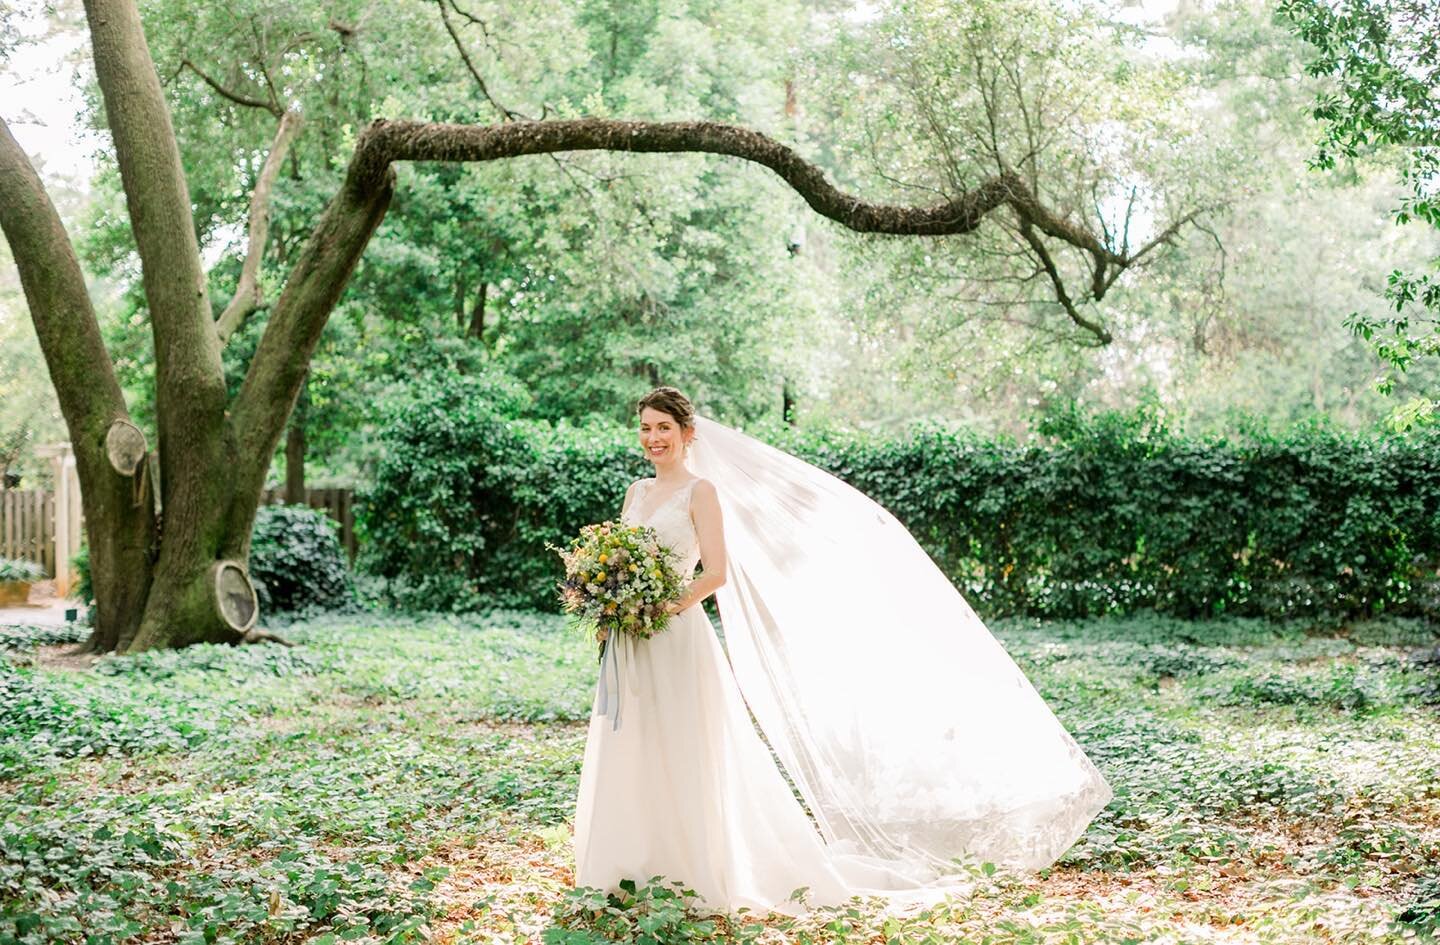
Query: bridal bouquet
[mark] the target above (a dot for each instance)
(618, 577)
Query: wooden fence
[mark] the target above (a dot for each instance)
(27, 526)
(27, 521)
(336, 503)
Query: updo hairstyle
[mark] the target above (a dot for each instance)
(670, 401)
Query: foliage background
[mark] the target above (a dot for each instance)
(1091, 514)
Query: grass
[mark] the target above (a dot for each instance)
(412, 779)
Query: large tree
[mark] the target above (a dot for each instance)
(179, 576)
(1381, 60)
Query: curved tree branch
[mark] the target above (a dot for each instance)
(248, 294)
(333, 250)
(237, 97)
(1101, 333)
(385, 142)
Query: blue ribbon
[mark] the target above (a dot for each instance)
(609, 663)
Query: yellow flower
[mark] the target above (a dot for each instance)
(600, 576)
(634, 568)
(602, 557)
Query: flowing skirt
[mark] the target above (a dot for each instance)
(686, 789)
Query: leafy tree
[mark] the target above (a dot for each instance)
(186, 581)
(1382, 63)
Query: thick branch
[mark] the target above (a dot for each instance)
(248, 294)
(385, 142)
(189, 378)
(299, 316)
(279, 364)
(80, 367)
(120, 530)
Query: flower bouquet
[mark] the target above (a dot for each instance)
(618, 577)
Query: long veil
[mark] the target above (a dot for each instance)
(907, 728)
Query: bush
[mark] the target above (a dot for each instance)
(443, 505)
(296, 561)
(84, 589)
(1093, 515)
(17, 569)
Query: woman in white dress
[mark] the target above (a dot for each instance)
(677, 783)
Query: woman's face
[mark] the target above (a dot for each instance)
(662, 438)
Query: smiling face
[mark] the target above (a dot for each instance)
(663, 438)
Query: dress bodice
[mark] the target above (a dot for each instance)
(671, 521)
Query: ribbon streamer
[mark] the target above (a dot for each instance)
(610, 663)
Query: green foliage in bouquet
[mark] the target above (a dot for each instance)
(618, 577)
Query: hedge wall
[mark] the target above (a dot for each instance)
(1094, 514)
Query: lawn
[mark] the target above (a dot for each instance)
(397, 779)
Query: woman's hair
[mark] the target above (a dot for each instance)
(671, 401)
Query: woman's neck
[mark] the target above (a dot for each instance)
(672, 475)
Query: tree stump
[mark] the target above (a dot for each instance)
(125, 446)
(234, 596)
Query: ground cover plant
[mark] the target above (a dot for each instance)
(398, 779)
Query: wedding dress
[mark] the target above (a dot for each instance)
(684, 788)
(910, 735)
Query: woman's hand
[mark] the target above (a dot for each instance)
(673, 607)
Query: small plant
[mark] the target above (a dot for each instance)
(18, 569)
(84, 589)
(296, 561)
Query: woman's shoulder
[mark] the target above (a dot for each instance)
(700, 486)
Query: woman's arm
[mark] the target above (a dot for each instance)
(705, 513)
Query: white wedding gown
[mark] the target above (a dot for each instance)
(685, 788)
(918, 749)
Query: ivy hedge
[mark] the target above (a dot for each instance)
(1091, 514)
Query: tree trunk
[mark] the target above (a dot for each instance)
(477, 314)
(461, 291)
(196, 443)
(123, 536)
(118, 508)
(295, 462)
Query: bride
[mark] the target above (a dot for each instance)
(908, 732)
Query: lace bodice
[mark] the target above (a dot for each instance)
(671, 521)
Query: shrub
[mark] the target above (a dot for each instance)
(442, 504)
(84, 589)
(17, 569)
(1092, 515)
(296, 561)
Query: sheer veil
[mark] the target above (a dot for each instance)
(909, 731)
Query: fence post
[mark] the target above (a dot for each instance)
(66, 504)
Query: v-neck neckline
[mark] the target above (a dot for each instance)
(666, 500)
